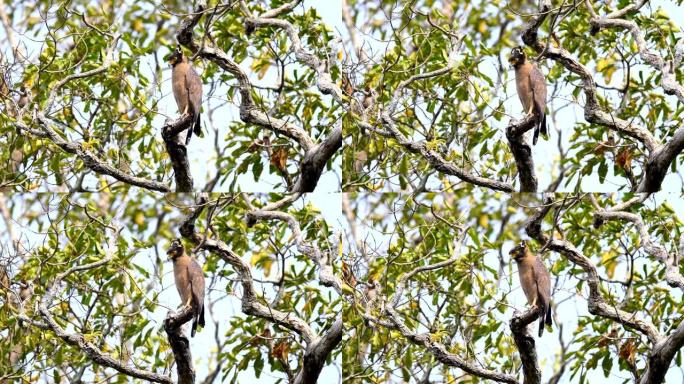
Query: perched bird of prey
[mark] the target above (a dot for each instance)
(531, 87)
(187, 90)
(189, 282)
(535, 281)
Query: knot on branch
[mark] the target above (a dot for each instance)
(520, 321)
(174, 321)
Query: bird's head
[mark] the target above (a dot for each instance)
(517, 56)
(519, 251)
(175, 250)
(175, 57)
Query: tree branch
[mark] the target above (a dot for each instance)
(672, 275)
(325, 274)
(596, 303)
(317, 352)
(315, 160)
(178, 152)
(180, 345)
(522, 152)
(322, 67)
(78, 340)
(525, 343)
(437, 349)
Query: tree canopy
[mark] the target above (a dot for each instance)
(431, 85)
(438, 298)
(363, 171)
(88, 105)
(102, 288)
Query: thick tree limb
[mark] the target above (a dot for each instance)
(180, 345)
(522, 152)
(317, 352)
(178, 151)
(315, 160)
(525, 343)
(661, 356)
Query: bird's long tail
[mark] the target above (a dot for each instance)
(545, 318)
(541, 319)
(198, 126)
(197, 320)
(540, 126)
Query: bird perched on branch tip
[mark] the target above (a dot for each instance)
(189, 279)
(187, 90)
(535, 281)
(531, 87)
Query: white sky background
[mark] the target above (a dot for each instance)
(568, 312)
(545, 153)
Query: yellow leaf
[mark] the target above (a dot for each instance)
(483, 221)
(139, 218)
(482, 27)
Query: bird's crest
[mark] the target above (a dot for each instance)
(517, 56)
(176, 249)
(176, 56)
(518, 252)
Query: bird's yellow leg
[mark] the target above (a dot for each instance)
(188, 303)
(530, 111)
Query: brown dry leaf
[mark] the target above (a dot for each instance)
(628, 351)
(280, 350)
(279, 158)
(624, 158)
